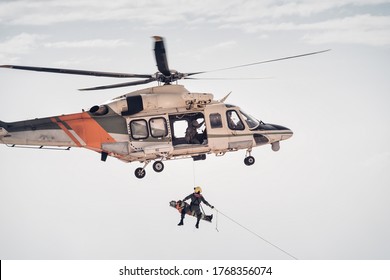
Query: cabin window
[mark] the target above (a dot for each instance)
(139, 129)
(215, 120)
(234, 121)
(158, 127)
(179, 128)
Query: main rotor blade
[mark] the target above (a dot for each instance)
(255, 63)
(228, 79)
(141, 82)
(161, 56)
(77, 72)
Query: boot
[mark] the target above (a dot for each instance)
(208, 218)
(182, 218)
(197, 220)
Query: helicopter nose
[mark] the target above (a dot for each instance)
(285, 132)
(276, 132)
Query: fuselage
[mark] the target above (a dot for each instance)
(150, 124)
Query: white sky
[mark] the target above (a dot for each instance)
(324, 195)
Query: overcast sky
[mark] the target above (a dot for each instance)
(324, 195)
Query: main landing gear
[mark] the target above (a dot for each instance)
(158, 166)
(140, 172)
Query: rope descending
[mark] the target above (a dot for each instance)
(254, 233)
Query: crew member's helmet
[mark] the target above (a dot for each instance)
(197, 189)
(195, 123)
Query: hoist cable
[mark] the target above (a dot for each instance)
(193, 171)
(254, 233)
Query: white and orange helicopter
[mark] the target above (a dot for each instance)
(150, 125)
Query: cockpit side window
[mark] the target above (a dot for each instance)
(250, 121)
(234, 121)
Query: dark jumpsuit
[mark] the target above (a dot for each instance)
(196, 199)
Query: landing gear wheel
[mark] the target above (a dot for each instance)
(140, 173)
(249, 160)
(158, 166)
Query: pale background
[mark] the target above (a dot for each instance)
(324, 195)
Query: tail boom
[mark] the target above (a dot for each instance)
(74, 130)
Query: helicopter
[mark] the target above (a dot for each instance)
(153, 124)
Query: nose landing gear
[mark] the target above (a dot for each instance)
(249, 160)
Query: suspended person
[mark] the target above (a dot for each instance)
(196, 199)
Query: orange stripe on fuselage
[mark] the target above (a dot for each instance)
(87, 129)
(71, 136)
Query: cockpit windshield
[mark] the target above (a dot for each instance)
(250, 121)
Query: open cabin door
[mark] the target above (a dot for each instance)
(188, 129)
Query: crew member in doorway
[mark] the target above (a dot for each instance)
(196, 199)
(192, 133)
